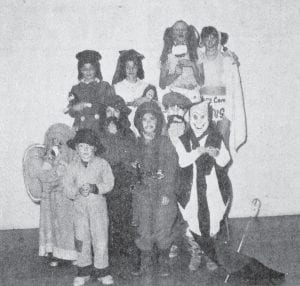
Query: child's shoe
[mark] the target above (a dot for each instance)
(79, 281)
(163, 262)
(106, 280)
(210, 265)
(195, 262)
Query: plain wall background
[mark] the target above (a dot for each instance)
(39, 40)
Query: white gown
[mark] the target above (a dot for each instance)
(130, 92)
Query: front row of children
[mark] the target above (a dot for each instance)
(169, 169)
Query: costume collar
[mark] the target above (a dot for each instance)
(97, 80)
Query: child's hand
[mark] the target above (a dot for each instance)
(176, 129)
(79, 106)
(186, 63)
(178, 69)
(85, 190)
(213, 152)
(201, 150)
(165, 201)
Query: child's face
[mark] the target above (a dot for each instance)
(131, 70)
(112, 112)
(86, 152)
(211, 41)
(88, 72)
(179, 33)
(150, 94)
(149, 122)
(199, 119)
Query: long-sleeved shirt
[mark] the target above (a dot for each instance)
(98, 172)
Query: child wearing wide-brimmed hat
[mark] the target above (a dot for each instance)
(87, 179)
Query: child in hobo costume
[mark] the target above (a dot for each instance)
(119, 142)
(85, 97)
(200, 149)
(156, 201)
(86, 181)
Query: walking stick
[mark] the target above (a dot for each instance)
(256, 204)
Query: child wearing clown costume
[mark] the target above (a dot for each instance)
(200, 150)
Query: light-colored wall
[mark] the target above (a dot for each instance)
(39, 40)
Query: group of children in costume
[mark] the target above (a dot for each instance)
(140, 174)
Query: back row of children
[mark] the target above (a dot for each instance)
(123, 147)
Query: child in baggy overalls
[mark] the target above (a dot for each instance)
(86, 180)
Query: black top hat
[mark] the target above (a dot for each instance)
(117, 102)
(87, 136)
(88, 56)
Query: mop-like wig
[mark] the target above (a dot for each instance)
(126, 56)
(192, 42)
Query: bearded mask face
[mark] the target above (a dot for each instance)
(175, 114)
(199, 118)
(112, 119)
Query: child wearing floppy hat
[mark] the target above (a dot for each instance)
(86, 181)
(85, 97)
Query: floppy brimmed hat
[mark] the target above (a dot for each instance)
(86, 136)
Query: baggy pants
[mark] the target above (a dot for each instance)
(91, 230)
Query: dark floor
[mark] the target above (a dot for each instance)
(274, 241)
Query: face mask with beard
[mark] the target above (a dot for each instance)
(112, 124)
(176, 125)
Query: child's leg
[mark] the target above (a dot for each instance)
(99, 232)
(165, 234)
(194, 250)
(82, 242)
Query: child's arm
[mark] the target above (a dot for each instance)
(166, 78)
(185, 158)
(222, 156)
(107, 182)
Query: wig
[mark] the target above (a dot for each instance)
(122, 123)
(153, 108)
(192, 42)
(124, 57)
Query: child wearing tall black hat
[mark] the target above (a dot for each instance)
(86, 181)
(85, 98)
